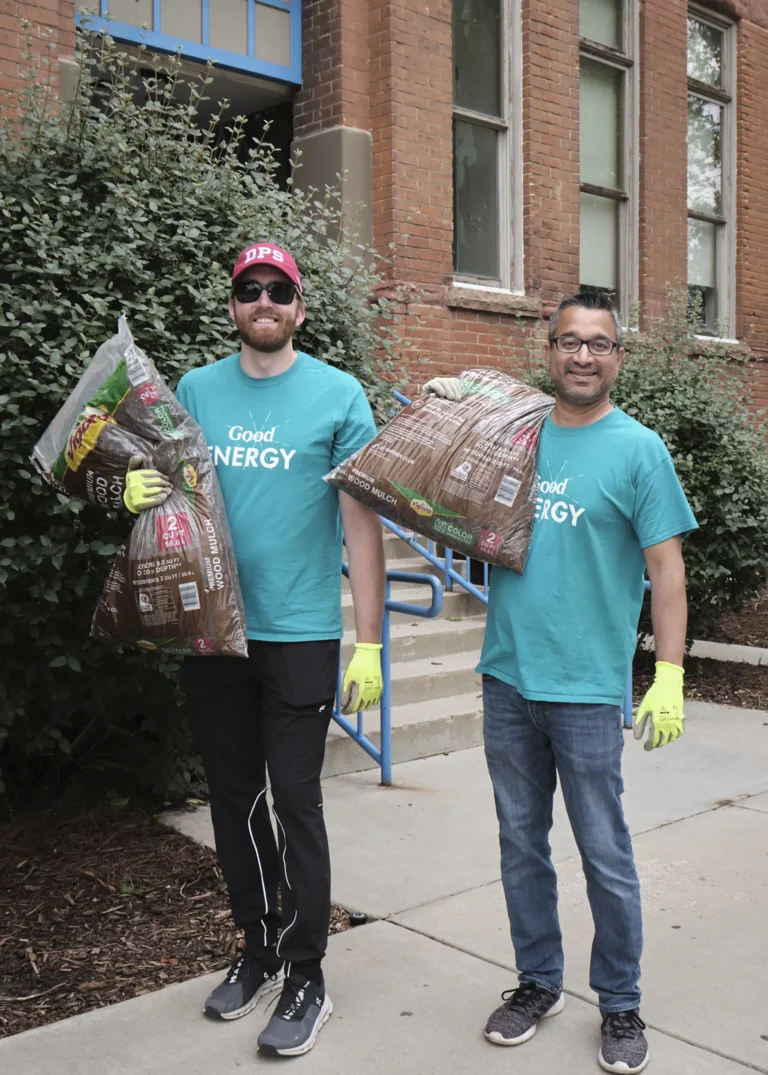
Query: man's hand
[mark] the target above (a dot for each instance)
(363, 682)
(144, 488)
(445, 387)
(662, 707)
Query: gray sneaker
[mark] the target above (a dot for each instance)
(523, 1009)
(624, 1049)
(303, 1009)
(249, 979)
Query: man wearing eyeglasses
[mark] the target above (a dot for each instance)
(557, 652)
(276, 421)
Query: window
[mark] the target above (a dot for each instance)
(260, 37)
(710, 172)
(607, 154)
(483, 180)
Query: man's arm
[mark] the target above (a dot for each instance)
(365, 546)
(662, 707)
(669, 605)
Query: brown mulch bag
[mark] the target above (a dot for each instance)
(173, 585)
(462, 473)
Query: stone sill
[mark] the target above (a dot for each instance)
(492, 300)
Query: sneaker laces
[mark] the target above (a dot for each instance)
(291, 998)
(622, 1025)
(525, 997)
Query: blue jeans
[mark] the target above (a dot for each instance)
(527, 744)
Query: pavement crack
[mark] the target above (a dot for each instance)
(746, 1064)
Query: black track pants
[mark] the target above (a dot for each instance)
(269, 714)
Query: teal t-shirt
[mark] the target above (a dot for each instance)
(566, 629)
(273, 440)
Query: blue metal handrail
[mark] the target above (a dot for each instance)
(446, 567)
(383, 755)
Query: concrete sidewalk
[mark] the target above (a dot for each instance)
(412, 991)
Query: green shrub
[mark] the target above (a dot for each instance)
(695, 394)
(123, 201)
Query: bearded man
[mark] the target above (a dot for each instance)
(276, 421)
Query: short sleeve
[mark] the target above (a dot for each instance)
(182, 393)
(356, 428)
(661, 510)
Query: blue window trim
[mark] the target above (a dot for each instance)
(190, 50)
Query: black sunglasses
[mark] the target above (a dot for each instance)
(281, 292)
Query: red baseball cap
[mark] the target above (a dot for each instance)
(268, 254)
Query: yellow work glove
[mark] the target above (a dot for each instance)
(144, 488)
(662, 707)
(445, 387)
(363, 681)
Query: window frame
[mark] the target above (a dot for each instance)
(158, 41)
(509, 127)
(626, 61)
(725, 240)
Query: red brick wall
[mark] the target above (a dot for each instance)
(663, 247)
(752, 184)
(51, 21)
(335, 86)
(386, 66)
(551, 147)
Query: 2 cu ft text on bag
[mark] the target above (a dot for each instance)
(173, 585)
(462, 473)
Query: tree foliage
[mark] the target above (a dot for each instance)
(130, 200)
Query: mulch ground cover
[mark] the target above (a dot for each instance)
(724, 682)
(746, 628)
(99, 904)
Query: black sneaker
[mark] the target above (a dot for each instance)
(302, 1010)
(523, 1009)
(249, 979)
(624, 1049)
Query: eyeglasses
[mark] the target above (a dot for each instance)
(280, 292)
(570, 345)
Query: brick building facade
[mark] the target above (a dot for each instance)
(513, 151)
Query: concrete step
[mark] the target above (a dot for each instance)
(454, 604)
(412, 640)
(414, 564)
(434, 677)
(396, 549)
(430, 678)
(419, 729)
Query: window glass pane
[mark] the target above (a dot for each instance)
(476, 192)
(705, 161)
(229, 26)
(273, 35)
(598, 242)
(702, 274)
(600, 124)
(133, 12)
(600, 20)
(702, 244)
(705, 52)
(477, 55)
(182, 19)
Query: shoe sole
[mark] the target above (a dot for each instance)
(621, 1068)
(496, 1039)
(325, 1014)
(262, 991)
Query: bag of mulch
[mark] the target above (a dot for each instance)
(173, 585)
(462, 473)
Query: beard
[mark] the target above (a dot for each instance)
(586, 396)
(266, 338)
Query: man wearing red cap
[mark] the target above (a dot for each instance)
(276, 421)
